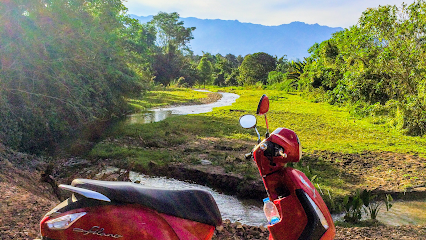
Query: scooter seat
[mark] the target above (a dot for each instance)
(192, 204)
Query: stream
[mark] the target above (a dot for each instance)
(250, 212)
(404, 213)
(159, 114)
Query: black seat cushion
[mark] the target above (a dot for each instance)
(196, 205)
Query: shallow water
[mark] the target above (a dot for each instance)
(159, 114)
(404, 213)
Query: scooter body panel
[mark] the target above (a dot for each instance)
(293, 220)
(299, 220)
(126, 222)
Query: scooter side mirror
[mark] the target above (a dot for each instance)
(263, 106)
(248, 121)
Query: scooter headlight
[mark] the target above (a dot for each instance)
(65, 221)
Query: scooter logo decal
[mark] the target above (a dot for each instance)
(306, 184)
(95, 230)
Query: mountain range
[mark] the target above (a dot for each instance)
(231, 36)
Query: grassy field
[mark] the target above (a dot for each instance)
(217, 136)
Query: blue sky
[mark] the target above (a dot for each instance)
(333, 13)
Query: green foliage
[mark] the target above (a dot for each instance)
(366, 201)
(353, 207)
(296, 69)
(62, 66)
(205, 69)
(169, 58)
(283, 64)
(372, 206)
(255, 68)
(170, 31)
(226, 70)
(380, 59)
(279, 81)
(276, 77)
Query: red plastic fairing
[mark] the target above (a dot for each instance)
(304, 183)
(287, 139)
(189, 230)
(293, 220)
(127, 222)
(293, 216)
(263, 162)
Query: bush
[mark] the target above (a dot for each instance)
(65, 67)
(413, 116)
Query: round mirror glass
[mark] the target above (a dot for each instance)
(248, 121)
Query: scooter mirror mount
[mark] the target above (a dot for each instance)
(249, 121)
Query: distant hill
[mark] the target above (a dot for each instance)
(226, 36)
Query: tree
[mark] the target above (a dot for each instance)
(256, 67)
(172, 38)
(283, 64)
(205, 69)
(170, 31)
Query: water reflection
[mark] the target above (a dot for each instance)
(149, 117)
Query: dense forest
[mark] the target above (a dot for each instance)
(65, 65)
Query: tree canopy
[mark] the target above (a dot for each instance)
(255, 68)
(205, 68)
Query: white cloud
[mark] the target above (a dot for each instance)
(333, 13)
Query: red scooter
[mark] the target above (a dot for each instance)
(123, 210)
(303, 213)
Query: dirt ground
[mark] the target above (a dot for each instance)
(24, 199)
(380, 171)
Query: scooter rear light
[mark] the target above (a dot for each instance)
(65, 221)
(318, 211)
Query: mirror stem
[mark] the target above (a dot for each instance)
(258, 135)
(267, 127)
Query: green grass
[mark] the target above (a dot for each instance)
(131, 154)
(321, 126)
